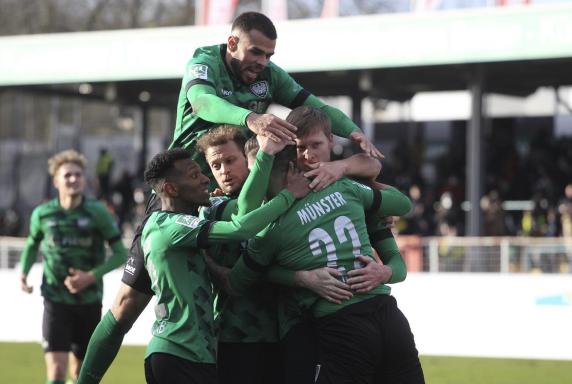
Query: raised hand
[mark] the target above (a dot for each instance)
(271, 126)
(272, 147)
(366, 145)
(325, 173)
(366, 278)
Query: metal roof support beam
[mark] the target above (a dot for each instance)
(474, 154)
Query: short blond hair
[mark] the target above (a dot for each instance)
(64, 157)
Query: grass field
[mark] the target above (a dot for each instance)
(23, 363)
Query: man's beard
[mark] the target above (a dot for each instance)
(235, 66)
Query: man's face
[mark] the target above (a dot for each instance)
(250, 54)
(228, 166)
(313, 148)
(69, 180)
(192, 186)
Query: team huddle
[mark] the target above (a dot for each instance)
(269, 262)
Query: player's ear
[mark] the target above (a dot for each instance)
(170, 189)
(232, 43)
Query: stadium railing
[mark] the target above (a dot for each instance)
(437, 254)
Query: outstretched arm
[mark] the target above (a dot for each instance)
(343, 126)
(210, 107)
(245, 227)
(356, 166)
(108, 335)
(322, 281)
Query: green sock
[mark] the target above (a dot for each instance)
(101, 350)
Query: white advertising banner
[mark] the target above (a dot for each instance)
(451, 314)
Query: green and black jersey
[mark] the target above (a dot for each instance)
(249, 318)
(184, 311)
(72, 238)
(208, 68)
(326, 228)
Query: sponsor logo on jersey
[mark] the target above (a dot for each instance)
(225, 92)
(188, 221)
(83, 222)
(130, 266)
(52, 223)
(198, 71)
(260, 88)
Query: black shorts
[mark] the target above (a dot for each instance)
(163, 368)
(253, 363)
(299, 352)
(68, 327)
(134, 273)
(368, 342)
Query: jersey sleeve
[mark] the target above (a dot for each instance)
(287, 91)
(245, 227)
(385, 202)
(210, 107)
(383, 241)
(253, 263)
(30, 252)
(200, 70)
(110, 231)
(256, 184)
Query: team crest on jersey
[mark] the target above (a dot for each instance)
(188, 221)
(83, 222)
(199, 71)
(260, 88)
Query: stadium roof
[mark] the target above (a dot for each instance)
(520, 48)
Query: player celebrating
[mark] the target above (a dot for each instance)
(71, 230)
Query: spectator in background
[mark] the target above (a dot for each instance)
(493, 215)
(103, 169)
(125, 201)
(71, 230)
(565, 211)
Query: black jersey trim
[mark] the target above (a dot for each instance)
(220, 210)
(299, 99)
(203, 236)
(376, 203)
(380, 235)
(197, 81)
(114, 239)
(253, 264)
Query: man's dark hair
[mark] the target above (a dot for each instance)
(161, 166)
(251, 145)
(254, 20)
(308, 120)
(221, 135)
(283, 158)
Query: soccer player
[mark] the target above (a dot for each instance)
(314, 143)
(72, 230)
(363, 337)
(247, 325)
(182, 348)
(234, 83)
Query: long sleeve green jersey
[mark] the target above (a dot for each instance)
(325, 228)
(184, 311)
(72, 238)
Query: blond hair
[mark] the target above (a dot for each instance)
(64, 157)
